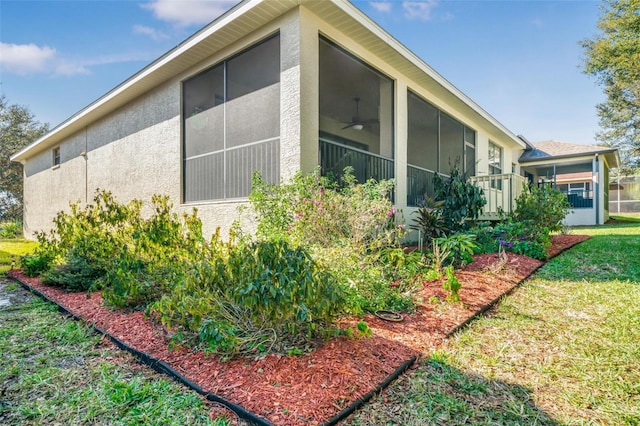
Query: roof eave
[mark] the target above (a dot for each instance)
(109, 101)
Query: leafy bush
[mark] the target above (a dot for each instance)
(11, 229)
(252, 297)
(314, 210)
(373, 282)
(349, 228)
(544, 206)
(430, 221)
(76, 275)
(455, 250)
(518, 237)
(462, 201)
(109, 244)
(35, 264)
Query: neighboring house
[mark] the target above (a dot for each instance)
(278, 87)
(581, 171)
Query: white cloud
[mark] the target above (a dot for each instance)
(188, 12)
(381, 6)
(419, 9)
(537, 22)
(150, 32)
(26, 58)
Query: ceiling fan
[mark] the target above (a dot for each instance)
(358, 123)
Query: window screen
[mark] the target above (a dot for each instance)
(231, 116)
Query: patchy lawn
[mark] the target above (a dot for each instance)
(11, 250)
(563, 349)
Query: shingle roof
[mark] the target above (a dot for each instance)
(555, 149)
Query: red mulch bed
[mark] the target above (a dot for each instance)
(311, 388)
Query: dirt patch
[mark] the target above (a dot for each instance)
(311, 388)
(11, 298)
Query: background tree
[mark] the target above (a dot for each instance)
(18, 128)
(613, 58)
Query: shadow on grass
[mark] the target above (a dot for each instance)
(437, 393)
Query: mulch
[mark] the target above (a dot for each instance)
(311, 388)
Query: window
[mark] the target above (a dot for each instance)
(435, 142)
(231, 124)
(355, 115)
(470, 151)
(55, 156)
(495, 159)
(495, 164)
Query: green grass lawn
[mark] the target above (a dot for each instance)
(11, 250)
(54, 370)
(563, 349)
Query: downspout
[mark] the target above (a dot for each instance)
(597, 188)
(86, 166)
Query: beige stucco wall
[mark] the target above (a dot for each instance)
(135, 152)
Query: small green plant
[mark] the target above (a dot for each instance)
(75, 275)
(35, 264)
(430, 221)
(456, 249)
(364, 329)
(462, 201)
(451, 285)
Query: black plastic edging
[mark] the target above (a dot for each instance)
(495, 301)
(365, 398)
(156, 364)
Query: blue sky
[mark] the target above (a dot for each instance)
(519, 60)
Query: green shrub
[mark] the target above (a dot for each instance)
(75, 275)
(380, 280)
(10, 229)
(314, 210)
(462, 201)
(456, 250)
(544, 206)
(521, 237)
(109, 244)
(252, 296)
(35, 264)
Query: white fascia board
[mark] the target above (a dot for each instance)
(165, 59)
(379, 32)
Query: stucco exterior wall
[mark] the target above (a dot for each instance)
(135, 152)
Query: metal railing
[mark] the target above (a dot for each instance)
(419, 185)
(334, 157)
(581, 199)
(500, 191)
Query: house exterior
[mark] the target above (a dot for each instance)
(278, 87)
(581, 171)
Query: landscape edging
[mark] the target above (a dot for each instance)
(164, 368)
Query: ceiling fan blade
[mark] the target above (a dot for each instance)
(350, 125)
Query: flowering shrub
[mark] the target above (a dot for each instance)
(315, 210)
(351, 230)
